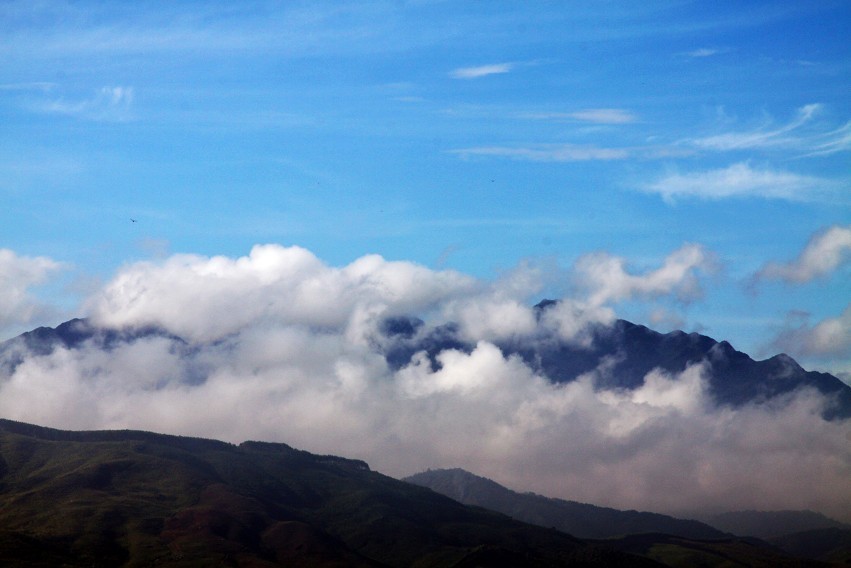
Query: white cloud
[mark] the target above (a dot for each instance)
(838, 140)
(481, 71)
(703, 52)
(761, 138)
(830, 337)
(205, 298)
(287, 351)
(548, 153)
(826, 251)
(662, 447)
(606, 279)
(741, 180)
(604, 115)
(801, 134)
(108, 104)
(595, 115)
(18, 275)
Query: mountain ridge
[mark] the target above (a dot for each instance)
(626, 350)
(580, 519)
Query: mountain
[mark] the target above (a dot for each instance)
(828, 545)
(770, 524)
(579, 519)
(71, 334)
(678, 552)
(630, 351)
(670, 541)
(132, 498)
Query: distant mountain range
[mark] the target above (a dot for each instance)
(629, 351)
(772, 524)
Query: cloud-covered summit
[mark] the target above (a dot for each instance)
(278, 345)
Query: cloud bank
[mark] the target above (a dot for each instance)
(282, 347)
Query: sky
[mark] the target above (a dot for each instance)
(682, 165)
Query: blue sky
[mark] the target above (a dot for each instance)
(475, 136)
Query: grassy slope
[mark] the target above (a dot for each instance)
(139, 499)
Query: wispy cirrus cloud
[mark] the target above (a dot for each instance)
(547, 152)
(704, 52)
(481, 70)
(107, 104)
(800, 134)
(595, 115)
(838, 140)
(30, 86)
(741, 180)
(761, 137)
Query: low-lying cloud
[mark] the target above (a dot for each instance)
(280, 346)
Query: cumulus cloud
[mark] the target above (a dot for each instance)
(606, 278)
(18, 275)
(826, 251)
(283, 347)
(741, 180)
(829, 337)
(204, 298)
(481, 71)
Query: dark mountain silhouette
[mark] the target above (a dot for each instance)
(579, 519)
(769, 524)
(631, 351)
(679, 552)
(128, 498)
(670, 541)
(70, 335)
(828, 544)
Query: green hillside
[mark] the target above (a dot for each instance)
(126, 498)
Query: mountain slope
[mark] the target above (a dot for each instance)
(579, 519)
(127, 498)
